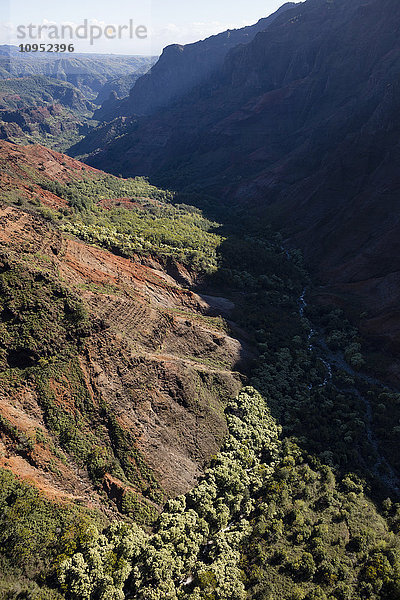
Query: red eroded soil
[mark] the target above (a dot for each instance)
(160, 362)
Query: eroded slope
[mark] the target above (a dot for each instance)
(114, 377)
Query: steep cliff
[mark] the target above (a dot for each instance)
(300, 125)
(180, 68)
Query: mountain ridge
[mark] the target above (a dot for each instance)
(181, 68)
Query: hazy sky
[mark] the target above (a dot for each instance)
(167, 21)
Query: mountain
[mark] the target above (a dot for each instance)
(52, 101)
(299, 125)
(180, 68)
(101, 135)
(27, 92)
(88, 72)
(199, 382)
(40, 109)
(121, 86)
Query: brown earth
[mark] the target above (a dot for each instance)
(22, 167)
(156, 357)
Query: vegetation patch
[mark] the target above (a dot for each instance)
(151, 225)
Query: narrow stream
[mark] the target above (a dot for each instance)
(335, 360)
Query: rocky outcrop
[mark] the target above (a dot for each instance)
(121, 86)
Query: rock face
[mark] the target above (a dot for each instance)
(121, 86)
(181, 68)
(302, 125)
